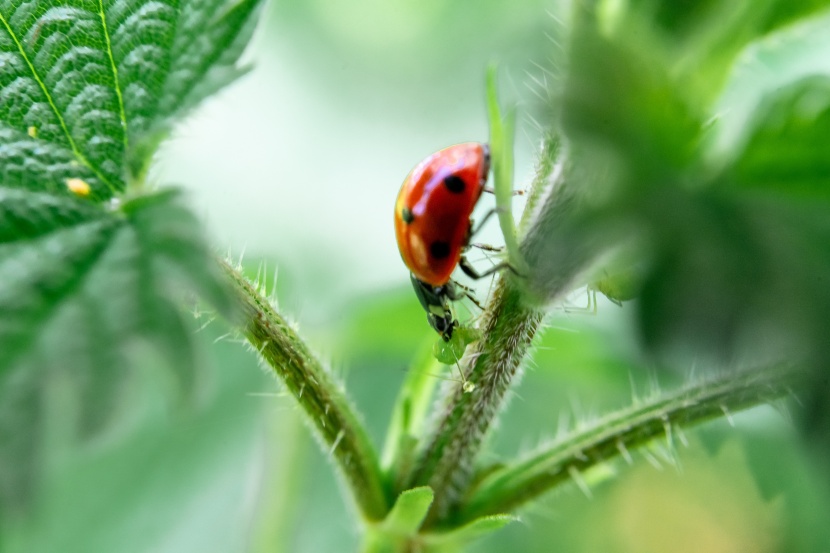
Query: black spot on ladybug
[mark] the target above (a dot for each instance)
(454, 184)
(407, 215)
(439, 250)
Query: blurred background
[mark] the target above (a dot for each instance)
(302, 159)
(297, 166)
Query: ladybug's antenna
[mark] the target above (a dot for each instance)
(487, 247)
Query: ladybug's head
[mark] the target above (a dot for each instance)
(442, 325)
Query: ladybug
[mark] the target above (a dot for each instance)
(433, 226)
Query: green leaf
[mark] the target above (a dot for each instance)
(162, 482)
(501, 146)
(401, 524)
(88, 89)
(621, 96)
(743, 256)
(787, 151)
(646, 175)
(469, 532)
(409, 511)
(399, 530)
(710, 35)
(727, 269)
(87, 85)
(82, 287)
(701, 39)
(410, 411)
(762, 69)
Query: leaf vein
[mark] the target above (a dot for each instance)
(42, 316)
(116, 84)
(78, 154)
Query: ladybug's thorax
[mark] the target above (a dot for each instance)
(432, 214)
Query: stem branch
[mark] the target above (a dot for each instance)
(323, 400)
(613, 436)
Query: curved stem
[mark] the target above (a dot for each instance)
(326, 406)
(615, 435)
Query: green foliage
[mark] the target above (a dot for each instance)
(94, 81)
(784, 155)
(501, 145)
(133, 495)
(696, 138)
(726, 224)
(90, 268)
(657, 182)
(402, 522)
(400, 527)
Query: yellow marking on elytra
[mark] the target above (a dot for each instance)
(79, 187)
(32, 131)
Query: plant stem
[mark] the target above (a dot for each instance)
(447, 463)
(509, 324)
(615, 435)
(324, 402)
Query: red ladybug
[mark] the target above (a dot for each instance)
(433, 227)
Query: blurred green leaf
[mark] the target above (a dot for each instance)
(706, 37)
(723, 263)
(88, 91)
(620, 94)
(162, 480)
(467, 533)
(733, 273)
(82, 287)
(787, 150)
(400, 527)
(777, 61)
(409, 414)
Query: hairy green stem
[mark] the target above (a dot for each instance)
(491, 366)
(448, 461)
(616, 435)
(323, 400)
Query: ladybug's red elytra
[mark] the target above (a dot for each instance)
(433, 227)
(432, 214)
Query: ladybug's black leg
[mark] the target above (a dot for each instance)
(474, 231)
(473, 299)
(487, 247)
(471, 271)
(456, 291)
